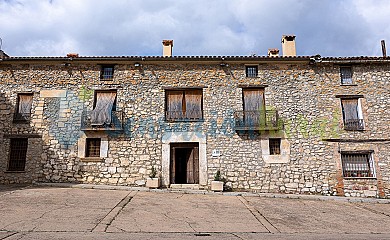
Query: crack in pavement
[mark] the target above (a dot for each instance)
(260, 217)
(113, 213)
(371, 210)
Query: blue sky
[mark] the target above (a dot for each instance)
(201, 27)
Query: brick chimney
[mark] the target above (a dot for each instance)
(167, 48)
(273, 52)
(288, 45)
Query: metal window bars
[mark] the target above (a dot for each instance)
(357, 165)
(346, 75)
(18, 152)
(274, 146)
(251, 71)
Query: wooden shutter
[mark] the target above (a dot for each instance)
(254, 106)
(102, 113)
(174, 105)
(193, 103)
(350, 110)
(25, 103)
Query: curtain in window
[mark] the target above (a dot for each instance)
(103, 109)
(254, 107)
(193, 100)
(350, 109)
(175, 105)
(25, 103)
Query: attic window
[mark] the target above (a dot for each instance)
(107, 72)
(251, 71)
(346, 75)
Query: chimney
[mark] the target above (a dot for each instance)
(383, 48)
(273, 52)
(167, 48)
(288, 45)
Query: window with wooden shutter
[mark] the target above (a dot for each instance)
(352, 114)
(184, 105)
(18, 153)
(254, 107)
(23, 109)
(103, 106)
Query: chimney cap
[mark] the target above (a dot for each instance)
(288, 37)
(167, 42)
(72, 55)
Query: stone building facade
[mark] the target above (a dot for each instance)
(281, 124)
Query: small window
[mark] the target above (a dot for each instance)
(346, 75)
(352, 114)
(93, 147)
(107, 72)
(18, 152)
(251, 71)
(274, 146)
(357, 165)
(184, 105)
(23, 107)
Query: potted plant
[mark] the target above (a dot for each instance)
(217, 184)
(153, 181)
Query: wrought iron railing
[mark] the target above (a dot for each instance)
(115, 125)
(177, 116)
(258, 120)
(354, 124)
(22, 117)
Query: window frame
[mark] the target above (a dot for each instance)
(103, 72)
(183, 90)
(343, 78)
(21, 152)
(88, 146)
(22, 117)
(247, 67)
(114, 106)
(359, 111)
(354, 174)
(275, 146)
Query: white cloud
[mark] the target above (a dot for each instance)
(203, 27)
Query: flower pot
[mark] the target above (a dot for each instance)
(153, 182)
(217, 186)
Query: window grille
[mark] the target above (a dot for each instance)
(346, 75)
(107, 73)
(357, 165)
(251, 71)
(18, 152)
(93, 147)
(274, 146)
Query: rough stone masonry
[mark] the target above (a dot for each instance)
(305, 150)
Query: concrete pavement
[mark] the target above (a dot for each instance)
(37, 212)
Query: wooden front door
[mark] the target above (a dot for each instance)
(184, 165)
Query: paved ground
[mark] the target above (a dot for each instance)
(31, 212)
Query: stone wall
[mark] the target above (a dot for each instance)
(304, 95)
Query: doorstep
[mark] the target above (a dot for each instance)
(185, 186)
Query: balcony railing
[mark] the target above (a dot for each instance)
(183, 116)
(354, 124)
(258, 120)
(22, 117)
(115, 125)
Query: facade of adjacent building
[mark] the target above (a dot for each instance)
(280, 124)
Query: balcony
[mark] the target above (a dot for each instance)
(22, 117)
(115, 125)
(354, 124)
(183, 116)
(258, 120)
